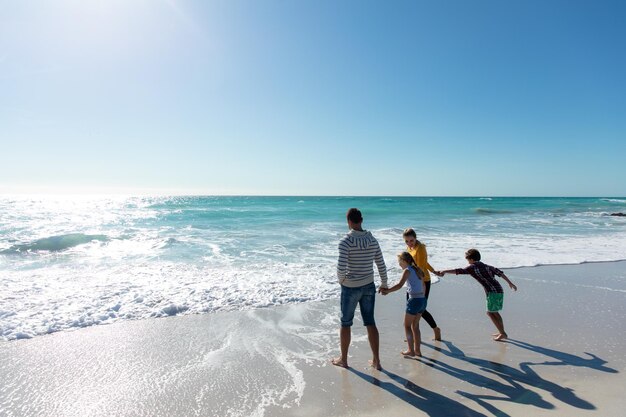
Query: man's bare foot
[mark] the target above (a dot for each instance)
(339, 362)
(407, 353)
(375, 364)
(495, 334)
(418, 353)
(437, 331)
(500, 337)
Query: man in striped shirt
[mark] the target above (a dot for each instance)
(358, 251)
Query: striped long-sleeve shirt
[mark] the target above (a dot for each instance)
(358, 251)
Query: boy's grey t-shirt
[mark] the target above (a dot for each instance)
(358, 251)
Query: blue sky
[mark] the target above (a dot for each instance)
(313, 97)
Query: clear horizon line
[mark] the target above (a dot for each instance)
(175, 194)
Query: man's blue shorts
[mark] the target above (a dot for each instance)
(363, 296)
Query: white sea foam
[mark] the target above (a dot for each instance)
(74, 296)
(511, 251)
(64, 298)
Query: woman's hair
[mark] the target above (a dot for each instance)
(409, 232)
(406, 257)
(472, 254)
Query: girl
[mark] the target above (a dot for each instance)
(416, 303)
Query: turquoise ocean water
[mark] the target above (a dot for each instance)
(72, 262)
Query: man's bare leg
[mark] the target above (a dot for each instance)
(345, 336)
(373, 337)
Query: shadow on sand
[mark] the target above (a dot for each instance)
(563, 358)
(428, 401)
(507, 381)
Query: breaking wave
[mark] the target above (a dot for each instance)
(55, 243)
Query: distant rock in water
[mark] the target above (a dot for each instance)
(56, 243)
(481, 210)
(618, 214)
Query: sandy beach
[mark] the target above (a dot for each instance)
(184, 183)
(565, 357)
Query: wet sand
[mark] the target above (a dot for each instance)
(565, 357)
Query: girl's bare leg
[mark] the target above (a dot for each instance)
(408, 330)
(417, 336)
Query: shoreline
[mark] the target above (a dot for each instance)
(564, 264)
(564, 358)
(221, 311)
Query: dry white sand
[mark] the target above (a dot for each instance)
(565, 358)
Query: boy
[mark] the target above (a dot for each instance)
(485, 275)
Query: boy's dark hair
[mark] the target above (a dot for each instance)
(472, 254)
(354, 215)
(409, 232)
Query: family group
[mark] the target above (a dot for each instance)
(359, 251)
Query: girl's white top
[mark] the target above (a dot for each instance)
(414, 285)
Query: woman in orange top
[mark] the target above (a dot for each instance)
(418, 251)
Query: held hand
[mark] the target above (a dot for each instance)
(439, 273)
